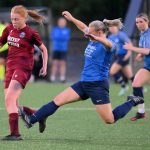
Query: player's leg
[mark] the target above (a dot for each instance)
(115, 68)
(12, 93)
(127, 70)
(105, 112)
(71, 94)
(28, 110)
(109, 116)
(115, 71)
(141, 77)
(99, 94)
(67, 96)
(14, 83)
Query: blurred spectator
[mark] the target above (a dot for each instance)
(3, 52)
(60, 36)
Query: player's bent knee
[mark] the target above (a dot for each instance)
(136, 84)
(112, 72)
(109, 120)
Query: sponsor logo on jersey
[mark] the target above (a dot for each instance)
(89, 50)
(13, 41)
(22, 35)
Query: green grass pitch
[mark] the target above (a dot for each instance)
(76, 126)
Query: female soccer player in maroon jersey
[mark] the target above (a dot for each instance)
(21, 40)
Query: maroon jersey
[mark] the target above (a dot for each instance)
(20, 46)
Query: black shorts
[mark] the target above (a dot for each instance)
(4, 54)
(98, 91)
(120, 61)
(59, 55)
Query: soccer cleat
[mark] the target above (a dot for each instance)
(42, 125)
(139, 116)
(12, 138)
(24, 117)
(136, 100)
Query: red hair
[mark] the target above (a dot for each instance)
(22, 11)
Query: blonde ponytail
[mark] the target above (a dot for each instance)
(36, 16)
(115, 22)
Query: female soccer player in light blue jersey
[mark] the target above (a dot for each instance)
(121, 64)
(94, 82)
(143, 75)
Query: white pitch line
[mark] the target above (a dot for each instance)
(66, 109)
(79, 109)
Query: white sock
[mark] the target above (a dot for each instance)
(141, 108)
(62, 78)
(53, 78)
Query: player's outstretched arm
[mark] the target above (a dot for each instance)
(103, 40)
(130, 47)
(80, 25)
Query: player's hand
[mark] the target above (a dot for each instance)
(139, 57)
(128, 46)
(67, 15)
(126, 57)
(43, 72)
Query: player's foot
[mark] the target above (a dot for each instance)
(63, 81)
(12, 138)
(25, 117)
(42, 125)
(123, 91)
(145, 90)
(139, 116)
(136, 100)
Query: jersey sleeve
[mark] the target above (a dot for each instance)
(124, 38)
(3, 38)
(146, 43)
(114, 47)
(36, 39)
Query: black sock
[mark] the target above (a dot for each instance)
(138, 91)
(43, 112)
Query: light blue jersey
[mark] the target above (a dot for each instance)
(145, 43)
(97, 62)
(60, 38)
(120, 39)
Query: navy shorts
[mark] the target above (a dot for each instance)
(148, 69)
(98, 91)
(120, 61)
(59, 55)
(4, 54)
